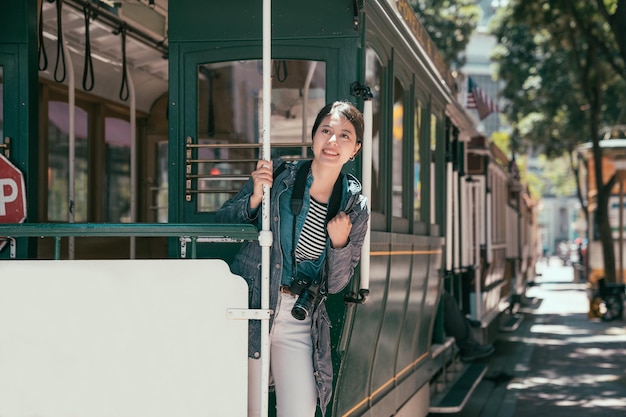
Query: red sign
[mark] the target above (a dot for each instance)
(12, 194)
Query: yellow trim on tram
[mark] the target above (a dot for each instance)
(405, 252)
(386, 384)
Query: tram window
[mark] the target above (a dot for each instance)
(230, 121)
(117, 173)
(162, 182)
(433, 176)
(374, 79)
(58, 163)
(397, 168)
(498, 199)
(417, 185)
(495, 202)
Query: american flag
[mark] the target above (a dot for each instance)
(479, 100)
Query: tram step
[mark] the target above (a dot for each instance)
(512, 322)
(454, 398)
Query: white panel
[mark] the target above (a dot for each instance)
(121, 338)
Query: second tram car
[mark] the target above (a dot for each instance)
(502, 230)
(606, 298)
(150, 112)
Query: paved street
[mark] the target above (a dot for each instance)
(558, 363)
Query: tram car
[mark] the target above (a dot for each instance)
(605, 298)
(133, 121)
(498, 259)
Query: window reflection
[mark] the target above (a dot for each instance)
(397, 169)
(373, 79)
(58, 163)
(230, 119)
(417, 180)
(434, 126)
(162, 182)
(117, 172)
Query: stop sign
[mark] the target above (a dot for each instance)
(12, 194)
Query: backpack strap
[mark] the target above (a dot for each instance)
(297, 196)
(279, 169)
(335, 199)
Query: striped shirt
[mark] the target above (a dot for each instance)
(313, 235)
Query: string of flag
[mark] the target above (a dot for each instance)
(479, 100)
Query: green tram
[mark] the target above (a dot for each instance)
(133, 121)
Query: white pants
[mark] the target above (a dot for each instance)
(291, 365)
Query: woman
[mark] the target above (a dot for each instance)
(314, 252)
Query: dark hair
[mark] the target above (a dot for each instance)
(347, 110)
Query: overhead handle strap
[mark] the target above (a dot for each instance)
(60, 52)
(124, 91)
(88, 75)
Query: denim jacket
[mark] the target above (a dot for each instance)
(337, 265)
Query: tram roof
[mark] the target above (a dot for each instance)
(146, 50)
(614, 147)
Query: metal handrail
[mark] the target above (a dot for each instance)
(185, 232)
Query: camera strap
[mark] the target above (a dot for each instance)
(297, 199)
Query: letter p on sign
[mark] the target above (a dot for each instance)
(7, 198)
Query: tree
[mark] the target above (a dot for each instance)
(613, 12)
(450, 23)
(559, 60)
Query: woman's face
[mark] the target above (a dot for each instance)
(335, 141)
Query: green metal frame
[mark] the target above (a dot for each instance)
(18, 58)
(211, 232)
(322, 35)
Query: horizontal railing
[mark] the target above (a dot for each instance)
(192, 233)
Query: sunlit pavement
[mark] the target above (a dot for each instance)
(559, 362)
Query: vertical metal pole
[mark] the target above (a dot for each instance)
(265, 236)
(133, 159)
(477, 226)
(366, 178)
(71, 89)
(487, 230)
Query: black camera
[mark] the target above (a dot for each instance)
(307, 293)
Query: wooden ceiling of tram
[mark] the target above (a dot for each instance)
(145, 50)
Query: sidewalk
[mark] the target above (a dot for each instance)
(558, 363)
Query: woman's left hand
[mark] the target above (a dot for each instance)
(339, 230)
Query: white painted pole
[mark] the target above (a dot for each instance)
(265, 236)
(133, 159)
(477, 219)
(366, 179)
(71, 87)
